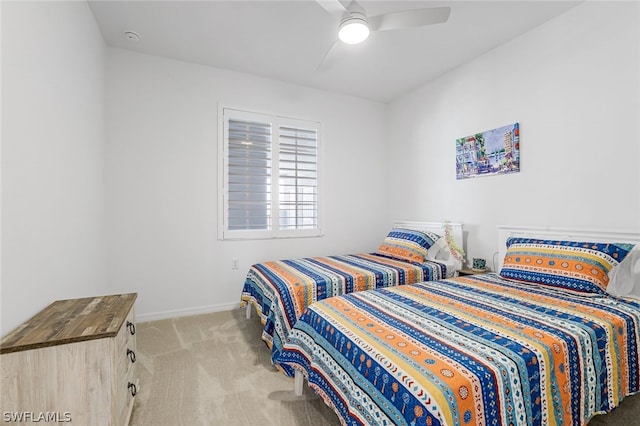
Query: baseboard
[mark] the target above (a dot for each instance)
(186, 312)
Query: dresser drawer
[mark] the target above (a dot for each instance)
(125, 343)
(76, 354)
(124, 368)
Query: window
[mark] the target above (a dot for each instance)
(269, 176)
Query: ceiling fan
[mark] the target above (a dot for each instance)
(355, 26)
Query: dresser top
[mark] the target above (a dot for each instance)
(70, 321)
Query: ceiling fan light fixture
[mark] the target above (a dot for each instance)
(354, 29)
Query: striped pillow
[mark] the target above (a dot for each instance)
(407, 244)
(577, 266)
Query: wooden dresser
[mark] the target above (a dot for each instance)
(75, 361)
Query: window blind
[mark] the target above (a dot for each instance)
(269, 176)
(298, 178)
(249, 175)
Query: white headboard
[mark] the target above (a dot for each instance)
(435, 227)
(564, 234)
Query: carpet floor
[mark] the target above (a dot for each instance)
(214, 369)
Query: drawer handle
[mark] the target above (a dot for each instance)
(131, 354)
(132, 327)
(132, 388)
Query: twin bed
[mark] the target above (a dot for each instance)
(554, 338)
(281, 290)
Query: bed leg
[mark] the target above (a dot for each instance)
(248, 310)
(298, 382)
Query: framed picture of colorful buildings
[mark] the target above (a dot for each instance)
(492, 152)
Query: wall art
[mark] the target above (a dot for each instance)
(492, 152)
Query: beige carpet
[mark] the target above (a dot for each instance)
(214, 369)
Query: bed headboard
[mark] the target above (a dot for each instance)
(435, 227)
(564, 234)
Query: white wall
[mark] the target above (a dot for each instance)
(52, 156)
(573, 85)
(161, 174)
(145, 172)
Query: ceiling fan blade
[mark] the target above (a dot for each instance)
(330, 57)
(334, 7)
(409, 19)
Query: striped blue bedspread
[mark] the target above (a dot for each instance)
(475, 350)
(281, 290)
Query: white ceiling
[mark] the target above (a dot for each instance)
(286, 40)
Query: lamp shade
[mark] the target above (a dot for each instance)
(353, 30)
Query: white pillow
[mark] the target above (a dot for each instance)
(437, 248)
(624, 279)
(440, 252)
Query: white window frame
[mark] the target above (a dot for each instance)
(223, 182)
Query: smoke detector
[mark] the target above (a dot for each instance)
(132, 36)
